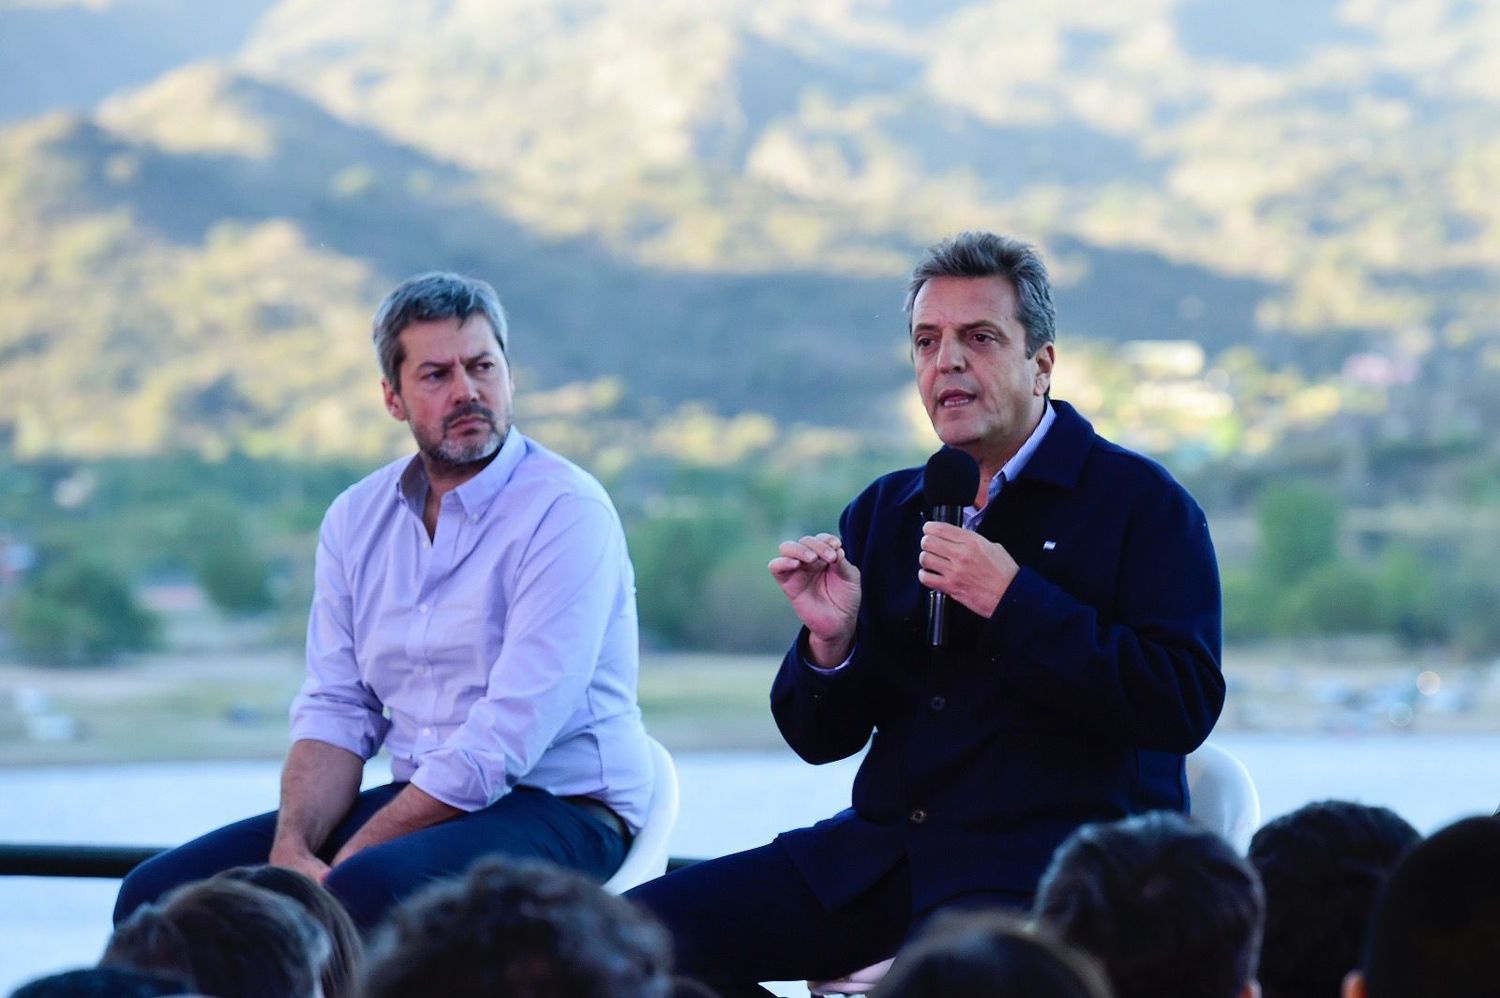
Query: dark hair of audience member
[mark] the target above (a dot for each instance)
(230, 939)
(102, 982)
(1436, 928)
(523, 929)
(1168, 907)
(348, 949)
(977, 954)
(1322, 866)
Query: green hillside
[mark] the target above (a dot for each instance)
(1273, 228)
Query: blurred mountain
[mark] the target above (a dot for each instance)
(705, 211)
(68, 56)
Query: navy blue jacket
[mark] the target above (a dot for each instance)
(1074, 702)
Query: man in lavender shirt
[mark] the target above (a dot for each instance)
(474, 613)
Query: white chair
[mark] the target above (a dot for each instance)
(646, 859)
(1222, 798)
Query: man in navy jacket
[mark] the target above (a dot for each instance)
(1082, 664)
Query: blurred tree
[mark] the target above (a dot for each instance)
(218, 546)
(1247, 605)
(1335, 597)
(1411, 603)
(1299, 525)
(674, 553)
(1469, 593)
(78, 612)
(742, 609)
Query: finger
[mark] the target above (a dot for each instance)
(798, 551)
(931, 562)
(932, 580)
(784, 568)
(943, 546)
(937, 528)
(826, 546)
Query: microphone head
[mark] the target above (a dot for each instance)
(951, 479)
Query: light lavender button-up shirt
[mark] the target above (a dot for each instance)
(502, 652)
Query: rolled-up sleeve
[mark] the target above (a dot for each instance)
(335, 705)
(562, 596)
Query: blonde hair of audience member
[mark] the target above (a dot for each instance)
(348, 949)
(991, 954)
(227, 939)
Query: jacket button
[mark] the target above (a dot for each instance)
(937, 703)
(918, 816)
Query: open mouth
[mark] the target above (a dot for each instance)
(954, 399)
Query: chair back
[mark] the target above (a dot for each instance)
(646, 859)
(1222, 795)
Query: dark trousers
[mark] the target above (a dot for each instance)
(524, 823)
(750, 917)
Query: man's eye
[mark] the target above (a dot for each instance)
(923, 342)
(983, 337)
(485, 366)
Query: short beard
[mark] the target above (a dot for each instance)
(450, 455)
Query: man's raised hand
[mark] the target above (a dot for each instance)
(823, 588)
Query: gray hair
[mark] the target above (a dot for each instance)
(428, 297)
(984, 254)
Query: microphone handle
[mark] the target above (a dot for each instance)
(937, 603)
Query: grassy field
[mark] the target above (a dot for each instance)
(234, 706)
(223, 705)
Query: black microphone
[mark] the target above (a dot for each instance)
(950, 483)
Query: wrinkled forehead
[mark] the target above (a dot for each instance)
(451, 339)
(965, 301)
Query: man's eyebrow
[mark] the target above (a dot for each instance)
(966, 327)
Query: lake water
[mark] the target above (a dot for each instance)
(730, 801)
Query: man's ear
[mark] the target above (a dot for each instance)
(393, 404)
(1044, 358)
(1354, 984)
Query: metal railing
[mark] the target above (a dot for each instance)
(38, 860)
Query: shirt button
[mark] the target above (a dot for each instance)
(937, 703)
(474, 518)
(421, 607)
(426, 731)
(918, 816)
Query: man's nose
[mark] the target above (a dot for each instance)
(465, 386)
(951, 355)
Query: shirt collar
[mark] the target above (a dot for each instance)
(1017, 463)
(1013, 467)
(1054, 452)
(477, 493)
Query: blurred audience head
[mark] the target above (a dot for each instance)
(1322, 866)
(979, 954)
(347, 948)
(1169, 908)
(521, 929)
(1436, 928)
(227, 939)
(101, 982)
